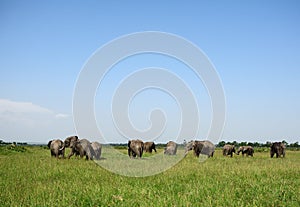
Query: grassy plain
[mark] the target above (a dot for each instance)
(33, 178)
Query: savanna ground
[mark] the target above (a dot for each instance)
(31, 177)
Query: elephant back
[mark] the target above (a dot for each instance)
(171, 148)
(208, 148)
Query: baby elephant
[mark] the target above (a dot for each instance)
(149, 146)
(248, 150)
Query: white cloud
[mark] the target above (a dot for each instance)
(21, 107)
(30, 122)
(26, 113)
(61, 116)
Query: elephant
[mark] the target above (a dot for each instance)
(248, 150)
(171, 148)
(79, 146)
(56, 148)
(97, 150)
(149, 146)
(277, 148)
(200, 147)
(228, 150)
(204, 147)
(135, 148)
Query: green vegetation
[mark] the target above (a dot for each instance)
(33, 178)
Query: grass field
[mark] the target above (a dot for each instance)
(32, 178)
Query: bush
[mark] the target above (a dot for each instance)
(16, 148)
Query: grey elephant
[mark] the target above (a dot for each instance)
(79, 146)
(277, 148)
(56, 148)
(228, 150)
(149, 146)
(97, 150)
(248, 150)
(135, 148)
(205, 147)
(171, 148)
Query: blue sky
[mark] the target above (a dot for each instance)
(254, 46)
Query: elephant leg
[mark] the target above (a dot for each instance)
(81, 153)
(139, 153)
(91, 156)
(71, 153)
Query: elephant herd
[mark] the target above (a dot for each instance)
(277, 148)
(79, 147)
(137, 147)
(92, 150)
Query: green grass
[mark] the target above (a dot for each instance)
(33, 178)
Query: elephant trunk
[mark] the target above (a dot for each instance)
(186, 152)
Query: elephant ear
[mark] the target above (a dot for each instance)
(129, 142)
(49, 143)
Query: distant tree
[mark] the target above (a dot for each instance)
(221, 144)
(251, 144)
(230, 143)
(243, 144)
(296, 144)
(285, 142)
(256, 144)
(268, 144)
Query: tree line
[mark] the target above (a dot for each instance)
(14, 143)
(220, 144)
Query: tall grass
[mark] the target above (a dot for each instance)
(33, 178)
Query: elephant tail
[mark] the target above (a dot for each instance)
(63, 147)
